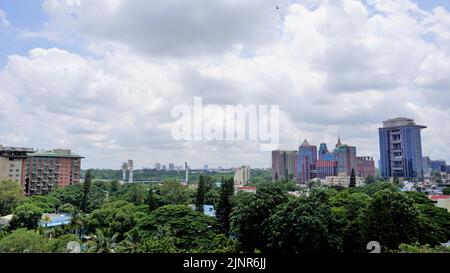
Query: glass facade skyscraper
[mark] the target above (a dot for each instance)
(307, 157)
(401, 149)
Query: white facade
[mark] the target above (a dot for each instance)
(342, 180)
(242, 176)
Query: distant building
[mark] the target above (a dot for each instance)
(342, 180)
(164, 168)
(158, 166)
(426, 166)
(323, 150)
(401, 149)
(441, 201)
(307, 157)
(206, 168)
(171, 167)
(46, 171)
(13, 162)
(345, 156)
(326, 168)
(250, 189)
(284, 165)
(439, 165)
(242, 176)
(365, 166)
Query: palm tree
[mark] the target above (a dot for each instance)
(103, 242)
(46, 220)
(77, 221)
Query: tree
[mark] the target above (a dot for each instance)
(225, 204)
(103, 242)
(86, 191)
(26, 216)
(137, 194)
(23, 241)
(352, 179)
(201, 190)
(369, 180)
(59, 245)
(391, 219)
(151, 201)
(446, 191)
(193, 230)
(300, 226)
(172, 192)
(120, 217)
(10, 196)
(249, 219)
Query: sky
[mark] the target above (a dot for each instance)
(102, 77)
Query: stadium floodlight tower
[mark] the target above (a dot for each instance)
(187, 172)
(130, 171)
(124, 171)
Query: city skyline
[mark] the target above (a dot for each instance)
(104, 87)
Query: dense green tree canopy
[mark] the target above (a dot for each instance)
(10, 196)
(23, 241)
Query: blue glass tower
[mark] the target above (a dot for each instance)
(307, 157)
(401, 149)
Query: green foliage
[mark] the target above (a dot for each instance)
(370, 180)
(192, 229)
(373, 188)
(164, 245)
(48, 204)
(151, 200)
(249, 219)
(26, 216)
(436, 222)
(104, 241)
(416, 248)
(302, 225)
(120, 217)
(446, 191)
(173, 193)
(86, 190)
(391, 219)
(23, 241)
(352, 179)
(10, 196)
(419, 198)
(59, 245)
(225, 205)
(201, 191)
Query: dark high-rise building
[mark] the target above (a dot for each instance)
(284, 165)
(307, 157)
(323, 150)
(401, 149)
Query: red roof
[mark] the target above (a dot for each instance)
(247, 188)
(435, 197)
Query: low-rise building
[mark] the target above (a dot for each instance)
(251, 189)
(341, 180)
(441, 201)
